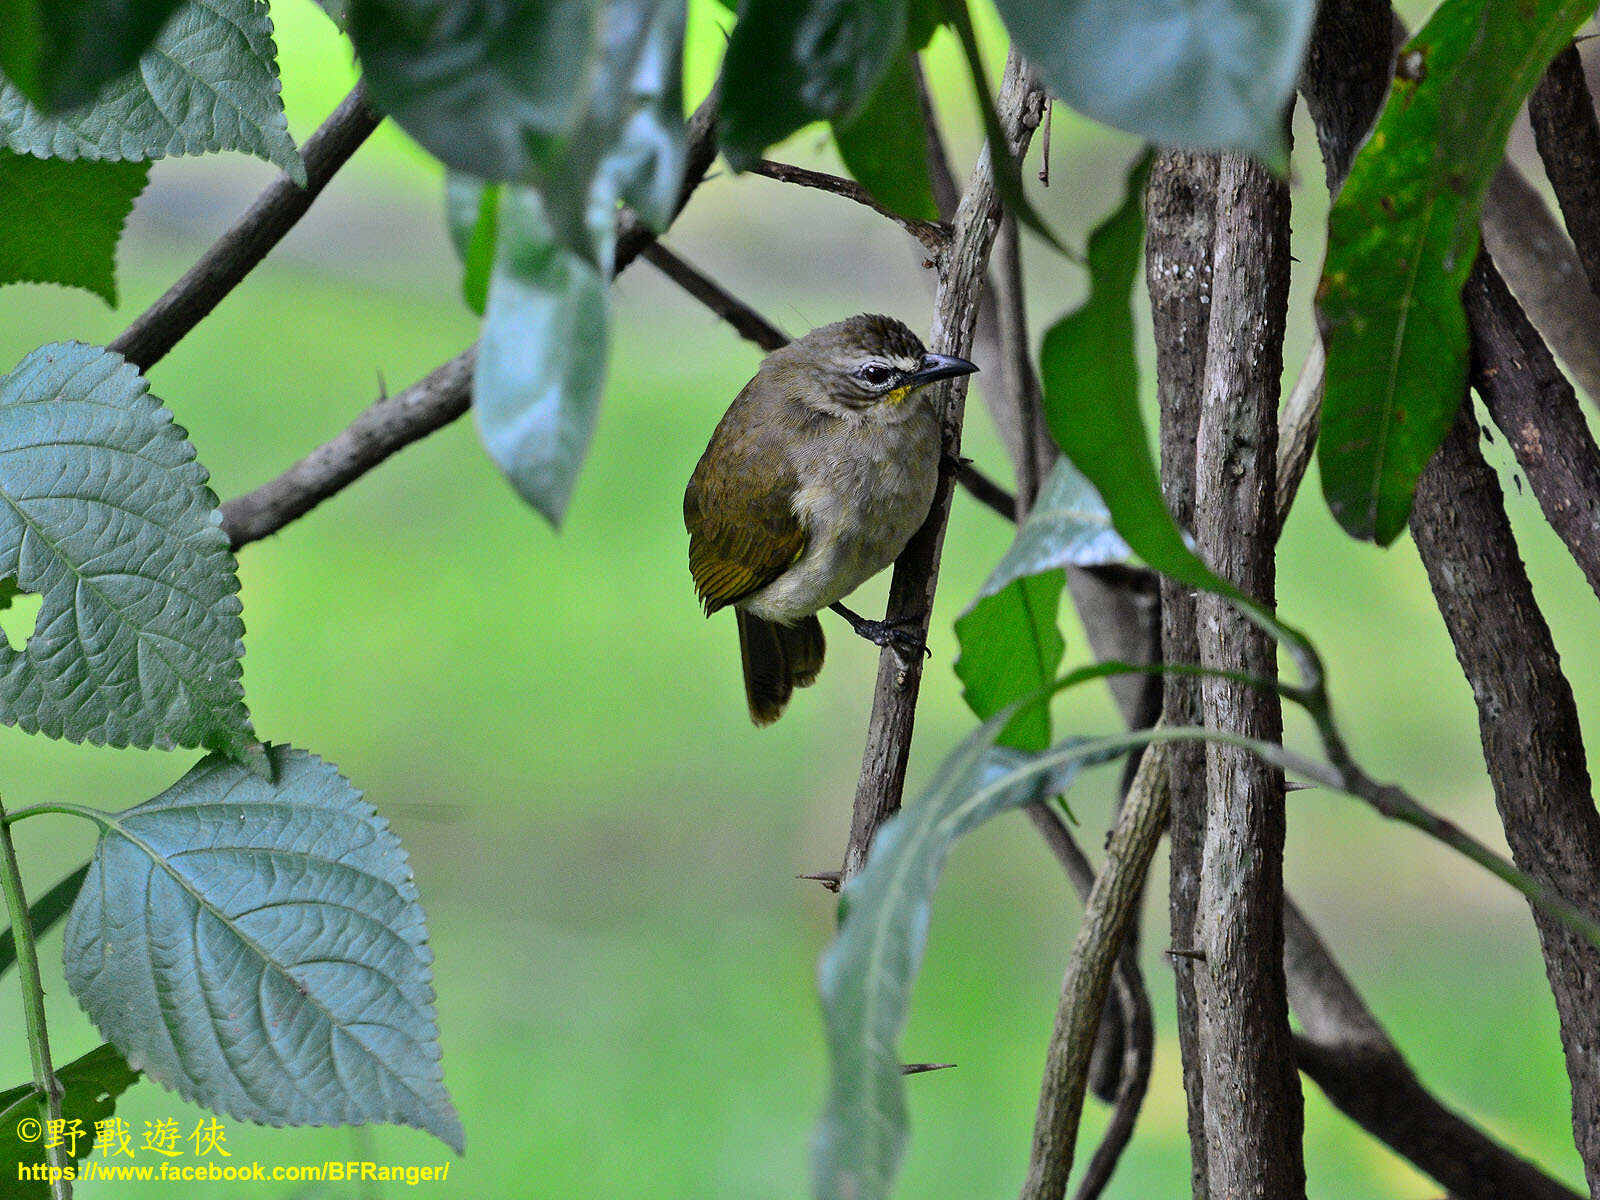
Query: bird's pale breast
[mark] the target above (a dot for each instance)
(864, 489)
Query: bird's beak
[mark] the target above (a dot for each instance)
(939, 366)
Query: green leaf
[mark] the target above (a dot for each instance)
(92, 1086)
(1069, 525)
(72, 48)
(1216, 74)
(105, 513)
(44, 912)
(1010, 646)
(581, 100)
(1089, 369)
(883, 144)
(1402, 238)
(209, 83)
(541, 358)
(472, 213)
(259, 948)
(60, 221)
(791, 62)
(866, 974)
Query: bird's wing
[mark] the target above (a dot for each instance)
(743, 532)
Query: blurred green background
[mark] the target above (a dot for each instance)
(605, 847)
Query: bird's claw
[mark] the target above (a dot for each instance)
(902, 635)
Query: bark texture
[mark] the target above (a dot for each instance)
(1528, 723)
(1565, 128)
(1536, 408)
(1180, 211)
(1253, 1111)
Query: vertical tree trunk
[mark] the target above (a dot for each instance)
(1252, 1091)
(1180, 209)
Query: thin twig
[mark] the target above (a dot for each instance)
(932, 234)
(262, 226)
(916, 572)
(1298, 425)
(32, 986)
(390, 424)
(986, 491)
(1567, 133)
(746, 321)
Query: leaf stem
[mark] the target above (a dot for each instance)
(44, 1076)
(77, 810)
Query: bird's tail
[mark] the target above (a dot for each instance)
(777, 659)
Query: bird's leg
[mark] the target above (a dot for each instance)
(901, 633)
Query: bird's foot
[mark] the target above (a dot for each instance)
(902, 633)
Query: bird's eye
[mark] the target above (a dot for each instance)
(875, 373)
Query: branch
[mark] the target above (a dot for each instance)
(916, 573)
(932, 234)
(1180, 224)
(1532, 739)
(1346, 1052)
(1253, 1111)
(1133, 1009)
(1107, 914)
(746, 321)
(235, 254)
(1298, 426)
(1543, 270)
(1567, 133)
(45, 1082)
(1536, 408)
(391, 424)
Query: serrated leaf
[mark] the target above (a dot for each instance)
(1010, 644)
(1010, 648)
(883, 145)
(258, 947)
(92, 1086)
(1089, 369)
(209, 83)
(472, 215)
(43, 911)
(866, 974)
(1402, 238)
(791, 62)
(75, 47)
(541, 358)
(60, 221)
(1214, 74)
(581, 100)
(105, 513)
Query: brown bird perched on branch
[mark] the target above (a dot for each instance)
(814, 481)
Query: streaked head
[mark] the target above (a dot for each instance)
(868, 359)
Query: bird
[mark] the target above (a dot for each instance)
(815, 479)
